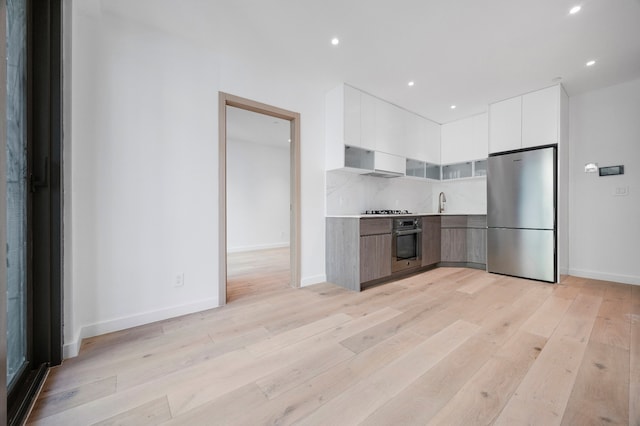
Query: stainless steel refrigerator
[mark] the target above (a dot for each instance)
(521, 214)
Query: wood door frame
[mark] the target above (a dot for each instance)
(224, 100)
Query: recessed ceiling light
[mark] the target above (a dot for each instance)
(335, 41)
(411, 83)
(574, 10)
(591, 63)
(453, 107)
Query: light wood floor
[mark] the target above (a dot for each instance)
(447, 347)
(253, 273)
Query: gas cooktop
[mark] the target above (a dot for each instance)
(387, 212)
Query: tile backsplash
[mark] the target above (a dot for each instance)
(465, 196)
(349, 194)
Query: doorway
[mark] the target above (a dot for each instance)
(272, 259)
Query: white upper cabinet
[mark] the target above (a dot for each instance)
(352, 124)
(465, 140)
(415, 143)
(455, 136)
(433, 134)
(541, 117)
(367, 121)
(526, 121)
(359, 120)
(349, 118)
(505, 125)
(481, 136)
(389, 128)
(334, 129)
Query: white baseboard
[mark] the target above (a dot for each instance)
(257, 247)
(625, 279)
(316, 279)
(72, 349)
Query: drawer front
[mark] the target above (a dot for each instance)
(375, 226)
(454, 221)
(477, 221)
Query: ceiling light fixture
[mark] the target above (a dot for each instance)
(591, 63)
(335, 41)
(574, 10)
(453, 107)
(411, 83)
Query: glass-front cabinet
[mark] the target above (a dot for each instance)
(467, 169)
(422, 169)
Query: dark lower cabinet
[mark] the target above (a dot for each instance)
(477, 245)
(464, 240)
(375, 257)
(358, 251)
(454, 245)
(431, 247)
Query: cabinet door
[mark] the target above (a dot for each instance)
(432, 138)
(477, 245)
(389, 128)
(454, 245)
(431, 246)
(334, 129)
(505, 125)
(465, 140)
(540, 117)
(415, 137)
(480, 136)
(351, 116)
(375, 257)
(456, 140)
(367, 121)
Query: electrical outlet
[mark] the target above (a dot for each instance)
(621, 191)
(179, 280)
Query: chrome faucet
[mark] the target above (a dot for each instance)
(441, 200)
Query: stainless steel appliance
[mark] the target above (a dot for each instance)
(521, 214)
(387, 212)
(406, 244)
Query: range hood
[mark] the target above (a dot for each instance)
(374, 163)
(387, 165)
(383, 174)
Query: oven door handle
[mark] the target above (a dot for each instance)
(408, 232)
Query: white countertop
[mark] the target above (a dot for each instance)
(361, 216)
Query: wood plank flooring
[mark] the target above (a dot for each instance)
(450, 346)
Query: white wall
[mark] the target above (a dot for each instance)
(257, 196)
(144, 181)
(604, 230)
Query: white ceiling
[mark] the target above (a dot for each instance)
(463, 52)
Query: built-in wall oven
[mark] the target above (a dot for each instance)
(406, 245)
